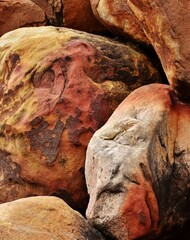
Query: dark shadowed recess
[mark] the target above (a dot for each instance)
(63, 194)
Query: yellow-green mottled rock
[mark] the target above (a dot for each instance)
(58, 86)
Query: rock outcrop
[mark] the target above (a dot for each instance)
(48, 218)
(76, 14)
(15, 14)
(58, 86)
(166, 24)
(82, 18)
(119, 19)
(138, 166)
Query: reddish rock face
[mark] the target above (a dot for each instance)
(43, 217)
(58, 86)
(82, 18)
(15, 14)
(138, 165)
(76, 14)
(166, 24)
(118, 18)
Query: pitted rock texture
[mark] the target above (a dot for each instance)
(48, 218)
(76, 14)
(166, 24)
(138, 167)
(58, 86)
(119, 19)
(15, 14)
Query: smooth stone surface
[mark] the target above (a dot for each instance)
(138, 165)
(48, 218)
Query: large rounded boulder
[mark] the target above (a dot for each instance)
(138, 166)
(37, 218)
(58, 86)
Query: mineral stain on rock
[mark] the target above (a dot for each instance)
(45, 140)
(9, 170)
(75, 128)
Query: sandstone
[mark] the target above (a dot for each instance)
(166, 24)
(52, 10)
(15, 14)
(82, 18)
(76, 14)
(118, 18)
(138, 166)
(48, 218)
(58, 86)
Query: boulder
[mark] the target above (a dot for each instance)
(50, 218)
(15, 14)
(119, 19)
(138, 165)
(166, 24)
(58, 86)
(76, 14)
(82, 18)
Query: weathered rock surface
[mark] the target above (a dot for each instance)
(76, 14)
(52, 9)
(48, 218)
(15, 14)
(118, 18)
(82, 18)
(166, 24)
(58, 86)
(138, 167)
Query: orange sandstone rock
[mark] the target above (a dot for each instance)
(166, 24)
(76, 14)
(15, 14)
(37, 218)
(118, 18)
